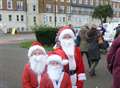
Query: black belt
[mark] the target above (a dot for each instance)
(72, 72)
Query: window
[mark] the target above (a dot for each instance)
(34, 7)
(86, 2)
(0, 17)
(80, 1)
(113, 4)
(19, 5)
(97, 2)
(63, 19)
(62, 0)
(68, 9)
(73, 1)
(60, 19)
(50, 19)
(9, 4)
(0, 4)
(91, 2)
(10, 17)
(22, 29)
(61, 9)
(34, 19)
(22, 18)
(48, 7)
(17, 17)
(68, 0)
(45, 19)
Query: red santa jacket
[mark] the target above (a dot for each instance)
(64, 82)
(29, 78)
(79, 65)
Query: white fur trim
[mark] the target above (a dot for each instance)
(54, 57)
(38, 78)
(66, 31)
(59, 82)
(81, 76)
(65, 62)
(32, 48)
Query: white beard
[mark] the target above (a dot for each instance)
(54, 72)
(68, 46)
(38, 63)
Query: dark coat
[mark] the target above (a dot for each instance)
(93, 47)
(115, 49)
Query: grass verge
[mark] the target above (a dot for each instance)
(27, 44)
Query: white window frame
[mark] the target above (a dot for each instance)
(68, 9)
(80, 2)
(61, 0)
(19, 5)
(97, 2)
(45, 18)
(0, 4)
(91, 2)
(10, 2)
(49, 7)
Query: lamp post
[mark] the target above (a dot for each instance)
(55, 12)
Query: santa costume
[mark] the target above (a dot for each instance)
(35, 68)
(55, 77)
(71, 55)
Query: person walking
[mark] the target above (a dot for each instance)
(93, 49)
(35, 67)
(84, 44)
(113, 60)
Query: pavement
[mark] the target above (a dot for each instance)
(14, 39)
(13, 59)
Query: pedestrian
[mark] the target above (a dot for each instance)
(71, 55)
(84, 44)
(93, 49)
(35, 67)
(55, 77)
(113, 60)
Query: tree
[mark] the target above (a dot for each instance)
(102, 12)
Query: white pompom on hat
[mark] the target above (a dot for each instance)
(35, 45)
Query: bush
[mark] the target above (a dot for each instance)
(45, 35)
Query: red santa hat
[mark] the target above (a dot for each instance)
(65, 30)
(56, 56)
(35, 45)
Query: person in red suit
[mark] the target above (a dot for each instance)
(71, 56)
(55, 77)
(35, 68)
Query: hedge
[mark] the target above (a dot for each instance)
(45, 35)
